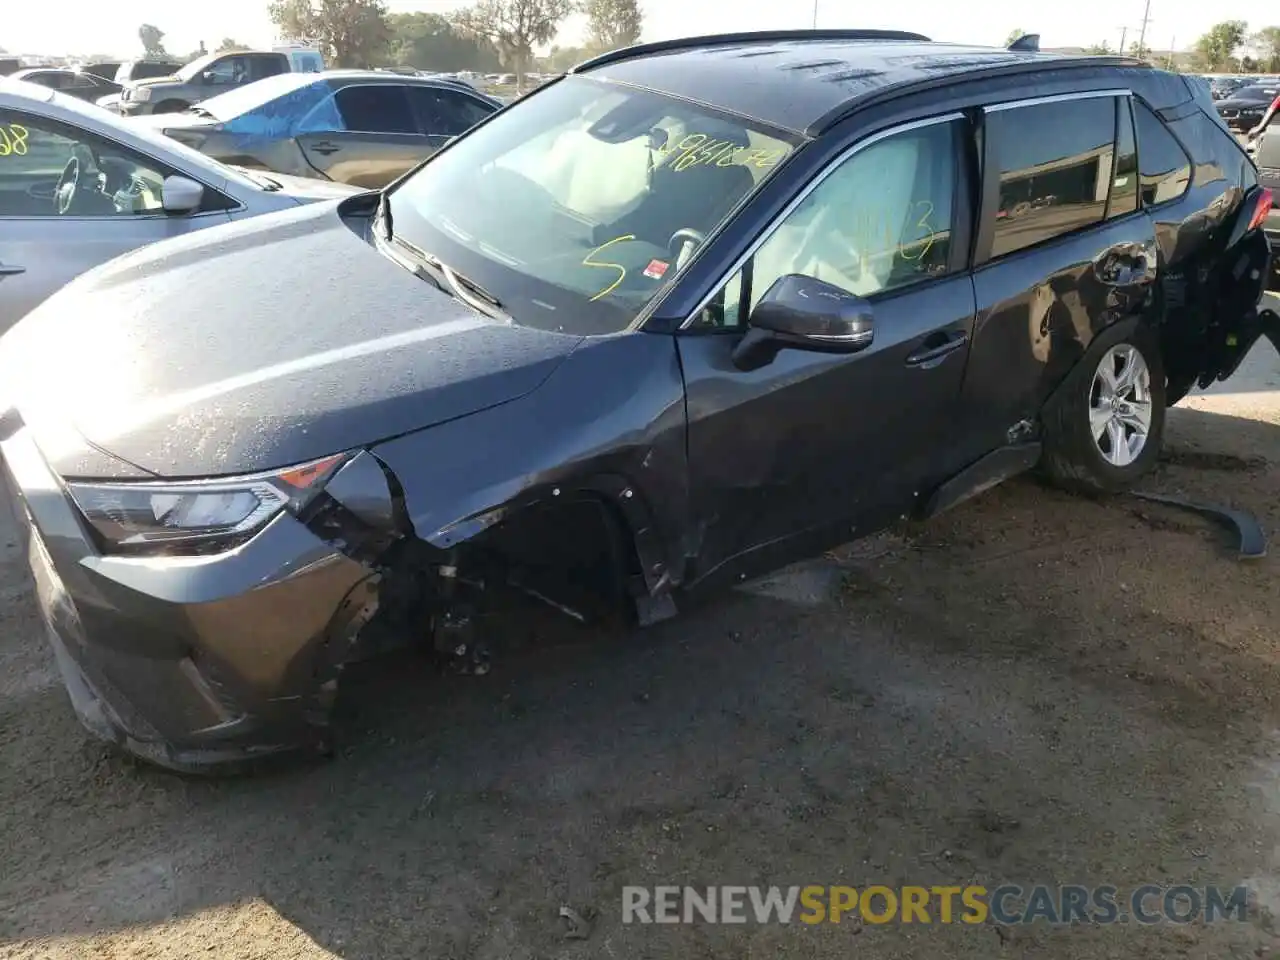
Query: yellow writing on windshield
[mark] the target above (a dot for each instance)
(13, 140)
(698, 149)
(590, 261)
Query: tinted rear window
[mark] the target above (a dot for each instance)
(1165, 168)
(1055, 162)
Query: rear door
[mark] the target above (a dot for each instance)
(40, 249)
(379, 139)
(1063, 250)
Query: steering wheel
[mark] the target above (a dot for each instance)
(67, 191)
(681, 238)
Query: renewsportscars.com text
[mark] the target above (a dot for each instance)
(1008, 904)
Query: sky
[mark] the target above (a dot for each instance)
(82, 27)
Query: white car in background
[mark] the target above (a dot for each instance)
(79, 186)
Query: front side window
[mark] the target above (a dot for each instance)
(48, 170)
(376, 108)
(578, 205)
(228, 70)
(1055, 161)
(880, 221)
(1165, 168)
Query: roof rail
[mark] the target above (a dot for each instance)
(727, 39)
(1027, 43)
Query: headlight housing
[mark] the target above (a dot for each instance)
(141, 94)
(196, 516)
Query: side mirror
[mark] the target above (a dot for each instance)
(808, 314)
(181, 195)
(208, 78)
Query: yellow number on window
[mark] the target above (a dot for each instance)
(6, 145)
(18, 139)
(588, 261)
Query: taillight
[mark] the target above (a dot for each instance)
(1261, 209)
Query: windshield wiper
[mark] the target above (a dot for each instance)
(432, 268)
(199, 112)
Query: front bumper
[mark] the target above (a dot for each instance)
(192, 663)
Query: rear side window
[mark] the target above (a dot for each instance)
(1055, 162)
(447, 112)
(1124, 181)
(376, 108)
(1164, 165)
(262, 67)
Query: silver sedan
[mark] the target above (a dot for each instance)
(79, 186)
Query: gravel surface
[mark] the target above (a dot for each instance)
(1032, 688)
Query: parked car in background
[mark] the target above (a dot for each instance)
(201, 79)
(145, 68)
(1267, 157)
(73, 83)
(1245, 107)
(364, 128)
(78, 186)
(133, 70)
(9, 65)
(1222, 87)
(106, 69)
(697, 310)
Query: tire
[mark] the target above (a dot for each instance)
(170, 106)
(1072, 457)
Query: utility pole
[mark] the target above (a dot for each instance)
(1142, 34)
(815, 14)
(1173, 41)
(1124, 32)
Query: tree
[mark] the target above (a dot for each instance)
(1015, 34)
(1266, 42)
(429, 41)
(152, 38)
(1216, 48)
(515, 27)
(560, 59)
(613, 23)
(350, 33)
(228, 45)
(1099, 50)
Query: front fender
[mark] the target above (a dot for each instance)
(609, 422)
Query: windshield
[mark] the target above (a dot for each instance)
(196, 66)
(575, 207)
(241, 100)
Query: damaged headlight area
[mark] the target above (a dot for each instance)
(196, 516)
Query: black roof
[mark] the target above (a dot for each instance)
(798, 80)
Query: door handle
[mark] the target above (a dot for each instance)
(324, 148)
(11, 271)
(936, 347)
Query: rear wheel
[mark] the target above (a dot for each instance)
(1104, 427)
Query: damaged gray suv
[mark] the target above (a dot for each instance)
(692, 311)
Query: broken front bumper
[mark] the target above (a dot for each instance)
(190, 662)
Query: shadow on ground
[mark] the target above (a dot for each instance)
(1033, 688)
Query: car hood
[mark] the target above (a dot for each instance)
(154, 81)
(1231, 103)
(242, 348)
(171, 121)
(305, 189)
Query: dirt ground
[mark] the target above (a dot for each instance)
(1033, 688)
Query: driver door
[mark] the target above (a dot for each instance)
(41, 250)
(813, 448)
